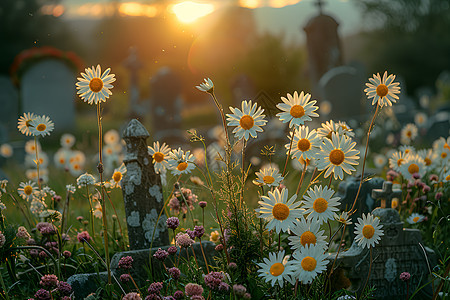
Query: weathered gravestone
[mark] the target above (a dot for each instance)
(166, 106)
(343, 87)
(399, 250)
(9, 108)
(48, 88)
(347, 192)
(142, 192)
(144, 201)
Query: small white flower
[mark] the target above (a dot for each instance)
(248, 121)
(415, 218)
(269, 176)
(297, 109)
(319, 204)
(85, 179)
(275, 269)
(207, 86)
(368, 231)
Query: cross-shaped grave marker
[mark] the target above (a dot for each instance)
(386, 194)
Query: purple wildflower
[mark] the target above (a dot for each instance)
(405, 276)
(132, 296)
(124, 278)
(42, 295)
(83, 237)
(199, 231)
(125, 262)
(172, 250)
(178, 295)
(64, 288)
(175, 273)
(193, 289)
(155, 288)
(173, 223)
(213, 280)
(161, 254)
(49, 281)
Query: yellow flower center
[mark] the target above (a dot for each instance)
(413, 168)
(41, 127)
(158, 157)
(246, 122)
(409, 134)
(443, 155)
(394, 203)
(277, 269)
(427, 161)
(382, 90)
(96, 84)
(308, 238)
(368, 231)
(309, 263)
(268, 179)
(446, 146)
(297, 111)
(117, 176)
(62, 161)
(337, 157)
(28, 190)
(280, 211)
(68, 141)
(400, 161)
(182, 166)
(447, 177)
(416, 219)
(303, 145)
(320, 205)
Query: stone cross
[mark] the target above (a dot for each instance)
(399, 250)
(142, 192)
(386, 194)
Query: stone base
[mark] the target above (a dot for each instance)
(85, 284)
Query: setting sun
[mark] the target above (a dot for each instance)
(189, 11)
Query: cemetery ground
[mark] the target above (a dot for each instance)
(121, 215)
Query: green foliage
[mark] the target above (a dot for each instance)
(411, 38)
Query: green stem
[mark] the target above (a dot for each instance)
(4, 287)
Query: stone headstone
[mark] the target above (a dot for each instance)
(142, 192)
(343, 88)
(9, 101)
(399, 250)
(48, 88)
(439, 125)
(366, 203)
(324, 46)
(166, 106)
(386, 194)
(133, 64)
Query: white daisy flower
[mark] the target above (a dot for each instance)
(446, 177)
(379, 160)
(160, 154)
(426, 155)
(67, 140)
(420, 119)
(297, 109)
(397, 160)
(368, 231)
(207, 86)
(407, 150)
(118, 175)
(305, 143)
(344, 129)
(441, 152)
(281, 213)
(343, 218)
(24, 123)
(307, 232)
(269, 176)
(31, 145)
(6, 150)
(27, 190)
(337, 155)
(383, 90)
(85, 179)
(275, 269)
(413, 164)
(408, 133)
(30, 160)
(248, 121)
(319, 204)
(415, 218)
(41, 126)
(111, 137)
(308, 263)
(327, 129)
(180, 162)
(94, 87)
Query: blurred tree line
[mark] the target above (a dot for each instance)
(23, 25)
(410, 38)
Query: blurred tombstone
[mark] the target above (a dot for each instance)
(347, 192)
(142, 192)
(324, 46)
(242, 88)
(10, 108)
(133, 64)
(167, 106)
(439, 125)
(343, 88)
(399, 250)
(48, 88)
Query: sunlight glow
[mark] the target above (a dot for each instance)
(188, 11)
(267, 3)
(137, 9)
